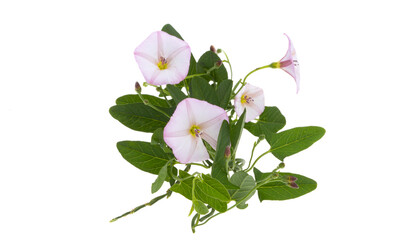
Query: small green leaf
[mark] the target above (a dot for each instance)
(280, 191)
(139, 117)
(158, 139)
(246, 183)
(224, 93)
(163, 173)
(184, 187)
(200, 207)
(200, 89)
(212, 192)
(219, 169)
(294, 140)
(236, 132)
(207, 61)
(134, 98)
(176, 93)
(143, 155)
(270, 121)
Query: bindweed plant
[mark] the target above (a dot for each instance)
(196, 121)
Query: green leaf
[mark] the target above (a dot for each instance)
(140, 117)
(134, 98)
(162, 175)
(144, 156)
(280, 191)
(246, 183)
(176, 93)
(212, 192)
(200, 207)
(170, 30)
(270, 121)
(223, 93)
(294, 140)
(207, 61)
(219, 170)
(236, 132)
(184, 187)
(200, 89)
(158, 139)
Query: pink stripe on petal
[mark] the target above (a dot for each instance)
(147, 57)
(160, 45)
(190, 112)
(209, 139)
(175, 53)
(180, 133)
(213, 121)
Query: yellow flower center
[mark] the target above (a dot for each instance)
(162, 64)
(195, 131)
(246, 99)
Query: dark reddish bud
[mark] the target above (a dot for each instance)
(292, 179)
(293, 185)
(212, 48)
(137, 87)
(227, 153)
(218, 63)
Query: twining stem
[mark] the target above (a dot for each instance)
(150, 203)
(263, 182)
(166, 99)
(272, 65)
(257, 159)
(146, 102)
(253, 150)
(198, 164)
(202, 74)
(227, 61)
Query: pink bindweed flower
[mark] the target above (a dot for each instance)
(192, 121)
(251, 98)
(163, 58)
(289, 63)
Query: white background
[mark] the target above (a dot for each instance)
(63, 63)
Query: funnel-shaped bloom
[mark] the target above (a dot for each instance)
(192, 121)
(289, 63)
(163, 58)
(251, 98)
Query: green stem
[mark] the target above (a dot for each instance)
(255, 70)
(166, 99)
(253, 150)
(257, 159)
(150, 203)
(146, 102)
(230, 67)
(198, 164)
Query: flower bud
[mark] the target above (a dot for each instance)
(227, 153)
(262, 137)
(219, 50)
(212, 48)
(137, 87)
(281, 165)
(293, 185)
(218, 63)
(292, 179)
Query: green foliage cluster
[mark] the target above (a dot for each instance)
(229, 183)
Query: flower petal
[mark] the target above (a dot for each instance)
(253, 108)
(292, 66)
(188, 149)
(161, 44)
